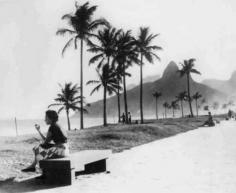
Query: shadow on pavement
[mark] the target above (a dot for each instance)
(28, 185)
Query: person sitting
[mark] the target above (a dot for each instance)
(48, 150)
(209, 122)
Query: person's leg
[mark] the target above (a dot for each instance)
(37, 157)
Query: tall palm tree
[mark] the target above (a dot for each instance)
(67, 100)
(146, 51)
(187, 69)
(107, 80)
(157, 95)
(105, 49)
(196, 96)
(125, 56)
(120, 72)
(182, 96)
(174, 105)
(81, 29)
(166, 106)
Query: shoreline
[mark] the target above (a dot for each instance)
(16, 152)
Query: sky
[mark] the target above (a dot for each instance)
(31, 65)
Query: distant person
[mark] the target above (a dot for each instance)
(230, 114)
(48, 150)
(129, 117)
(123, 118)
(209, 122)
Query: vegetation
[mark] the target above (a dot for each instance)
(156, 95)
(166, 106)
(125, 56)
(182, 96)
(81, 29)
(196, 96)
(107, 80)
(174, 105)
(146, 51)
(187, 69)
(114, 51)
(68, 100)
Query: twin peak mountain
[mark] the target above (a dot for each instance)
(170, 85)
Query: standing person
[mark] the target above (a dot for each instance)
(123, 118)
(47, 150)
(129, 117)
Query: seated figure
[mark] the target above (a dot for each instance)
(209, 122)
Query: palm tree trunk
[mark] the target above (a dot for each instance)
(165, 112)
(141, 89)
(156, 109)
(196, 108)
(118, 102)
(173, 112)
(81, 86)
(189, 96)
(182, 108)
(104, 106)
(125, 98)
(68, 119)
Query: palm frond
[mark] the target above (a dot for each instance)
(64, 31)
(68, 44)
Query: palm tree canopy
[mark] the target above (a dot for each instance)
(68, 98)
(143, 43)
(107, 78)
(157, 94)
(196, 96)
(106, 47)
(182, 96)
(187, 67)
(81, 24)
(166, 105)
(126, 49)
(174, 105)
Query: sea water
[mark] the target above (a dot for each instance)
(8, 127)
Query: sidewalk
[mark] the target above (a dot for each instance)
(199, 161)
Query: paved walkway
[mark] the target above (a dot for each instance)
(199, 161)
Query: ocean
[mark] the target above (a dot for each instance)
(8, 128)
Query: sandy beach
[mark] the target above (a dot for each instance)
(198, 161)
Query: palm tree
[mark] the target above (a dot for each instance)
(146, 50)
(106, 46)
(174, 105)
(166, 106)
(67, 100)
(187, 69)
(125, 56)
(81, 29)
(156, 95)
(108, 81)
(196, 96)
(182, 97)
(105, 50)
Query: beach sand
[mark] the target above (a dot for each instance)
(198, 161)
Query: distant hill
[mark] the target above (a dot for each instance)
(226, 86)
(170, 84)
(145, 80)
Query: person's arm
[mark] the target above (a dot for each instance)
(48, 137)
(39, 131)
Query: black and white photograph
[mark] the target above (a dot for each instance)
(107, 96)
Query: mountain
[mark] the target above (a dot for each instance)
(226, 86)
(151, 78)
(170, 84)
